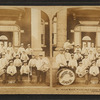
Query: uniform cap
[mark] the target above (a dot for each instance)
(28, 45)
(24, 61)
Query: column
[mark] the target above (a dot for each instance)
(16, 39)
(61, 28)
(98, 39)
(77, 38)
(36, 29)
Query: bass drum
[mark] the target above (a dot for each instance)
(66, 76)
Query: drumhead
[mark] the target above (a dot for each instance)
(66, 77)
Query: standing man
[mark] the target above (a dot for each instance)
(29, 51)
(4, 63)
(21, 49)
(17, 64)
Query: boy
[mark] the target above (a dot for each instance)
(11, 71)
(42, 68)
(94, 71)
(24, 71)
(17, 63)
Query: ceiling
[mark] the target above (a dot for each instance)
(85, 13)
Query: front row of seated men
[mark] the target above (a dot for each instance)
(17, 69)
(83, 67)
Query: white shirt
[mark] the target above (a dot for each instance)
(77, 56)
(86, 62)
(79, 70)
(24, 57)
(20, 50)
(72, 63)
(2, 49)
(10, 49)
(11, 70)
(32, 62)
(40, 63)
(17, 62)
(91, 57)
(67, 56)
(94, 70)
(3, 62)
(29, 51)
(8, 56)
(61, 60)
(84, 50)
(24, 69)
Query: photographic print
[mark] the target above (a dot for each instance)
(49, 50)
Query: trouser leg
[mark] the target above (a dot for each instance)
(38, 76)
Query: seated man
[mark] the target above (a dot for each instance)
(32, 66)
(11, 71)
(24, 71)
(42, 68)
(81, 72)
(72, 62)
(60, 59)
(94, 71)
(3, 67)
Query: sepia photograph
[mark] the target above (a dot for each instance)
(49, 50)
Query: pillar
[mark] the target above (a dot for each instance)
(36, 30)
(61, 28)
(77, 38)
(98, 39)
(16, 39)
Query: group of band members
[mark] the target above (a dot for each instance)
(22, 62)
(84, 62)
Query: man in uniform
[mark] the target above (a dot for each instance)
(32, 66)
(67, 55)
(29, 51)
(11, 71)
(72, 62)
(94, 71)
(42, 68)
(21, 49)
(60, 59)
(81, 72)
(17, 64)
(24, 71)
(4, 63)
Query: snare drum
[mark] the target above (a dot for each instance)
(66, 76)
